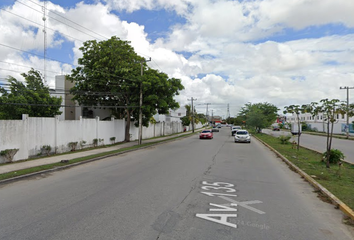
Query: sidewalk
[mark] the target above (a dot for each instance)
(15, 166)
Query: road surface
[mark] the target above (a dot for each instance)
(319, 143)
(186, 189)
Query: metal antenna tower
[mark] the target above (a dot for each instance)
(45, 40)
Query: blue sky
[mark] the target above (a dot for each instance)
(225, 52)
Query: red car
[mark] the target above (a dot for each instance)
(206, 134)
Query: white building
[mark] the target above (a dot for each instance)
(319, 123)
(72, 111)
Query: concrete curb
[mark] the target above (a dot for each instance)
(22, 177)
(335, 201)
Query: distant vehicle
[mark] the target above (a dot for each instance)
(295, 129)
(242, 136)
(235, 129)
(215, 129)
(206, 134)
(276, 128)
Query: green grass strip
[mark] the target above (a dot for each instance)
(339, 180)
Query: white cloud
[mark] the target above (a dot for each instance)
(225, 67)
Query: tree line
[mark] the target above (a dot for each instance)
(109, 73)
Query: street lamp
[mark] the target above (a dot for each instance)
(347, 128)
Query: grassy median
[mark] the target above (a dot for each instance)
(339, 180)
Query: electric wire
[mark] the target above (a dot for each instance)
(70, 21)
(59, 21)
(60, 105)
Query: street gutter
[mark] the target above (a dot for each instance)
(334, 200)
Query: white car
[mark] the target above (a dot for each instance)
(234, 129)
(242, 136)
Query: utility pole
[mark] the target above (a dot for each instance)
(192, 99)
(44, 8)
(206, 114)
(347, 128)
(228, 111)
(141, 102)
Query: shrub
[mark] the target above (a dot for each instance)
(284, 139)
(9, 154)
(335, 156)
(45, 149)
(113, 139)
(95, 141)
(72, 145)
(82, 143)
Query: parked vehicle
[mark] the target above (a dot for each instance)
(206, 134)
(235, 129)
(242, 136)
(295, 129)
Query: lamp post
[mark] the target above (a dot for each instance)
(347, 128)
(141, 102)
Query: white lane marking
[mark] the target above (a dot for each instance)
(244, 204)
(219, 218)
(223, 207)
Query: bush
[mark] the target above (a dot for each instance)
(46, 149)
(9, 154)
(95, 142)
(113, 139)
(82, 144)
(72, 145)
(284, 139)
(335, 156)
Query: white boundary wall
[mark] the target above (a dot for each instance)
(30, 133)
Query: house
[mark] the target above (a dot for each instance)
(71, 110)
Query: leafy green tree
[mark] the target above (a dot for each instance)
(329, 109)
(201, 118)
(185, 121)
(258, 115)
(297, 110)
(109, 74)
(30, 97)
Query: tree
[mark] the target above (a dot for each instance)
(329, 109)
(109, 74)
(297, 110)
(259, 115)
(31, 97)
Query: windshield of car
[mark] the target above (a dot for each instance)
(242, 133)
(206, 131)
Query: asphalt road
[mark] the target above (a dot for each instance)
(319, 143)
(186, 189)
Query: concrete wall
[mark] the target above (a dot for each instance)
(30, 134)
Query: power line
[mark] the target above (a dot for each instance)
(53, 105)
(41, 25)
(26, 66)
(59, 21)
(34, 54)
(72, 21)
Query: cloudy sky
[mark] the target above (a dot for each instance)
(227, 53)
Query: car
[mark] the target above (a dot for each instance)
(242, 136)
(206, 134)
(215, 129)
(235, 129)
(276, 128)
